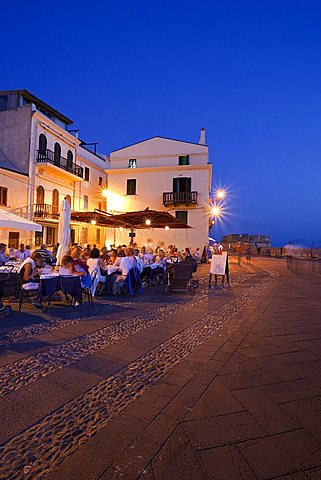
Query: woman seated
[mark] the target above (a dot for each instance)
(96, 263)
(77, 267)
(161, 263)
(126, 264)
(30, 273)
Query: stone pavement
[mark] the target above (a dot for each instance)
(222, 385)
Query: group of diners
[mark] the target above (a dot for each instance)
(104, 271)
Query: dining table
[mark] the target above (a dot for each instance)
(52, 283)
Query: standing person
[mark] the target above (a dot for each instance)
(239, 251)
(248, 254)
(3, 256)
(46, 255)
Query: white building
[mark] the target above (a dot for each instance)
(43, 161)
(163, 174)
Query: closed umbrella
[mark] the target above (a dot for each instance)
(63, 229)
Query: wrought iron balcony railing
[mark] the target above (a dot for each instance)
(180, 198)
(43, 210)
(48, 156)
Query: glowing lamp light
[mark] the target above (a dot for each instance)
(220, 194)
(105, 192)
(167, 227)
(121, 229)
(148, 222)
(215, 211)
(93, 222)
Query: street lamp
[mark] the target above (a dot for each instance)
(220, 194)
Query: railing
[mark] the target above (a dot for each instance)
(43, 210)
(50, 157)
(176, 198)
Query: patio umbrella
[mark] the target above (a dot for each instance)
(10, 221)
(63, 229)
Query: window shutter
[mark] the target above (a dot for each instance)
(175, 184)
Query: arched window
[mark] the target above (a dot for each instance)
(55, 203)
(40, 195)
(42, 147)
(57, 154)
(70, 159)
(68, 198)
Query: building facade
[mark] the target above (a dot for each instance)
(163, 174)
(42, 161)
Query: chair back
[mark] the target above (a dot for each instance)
(93, 275)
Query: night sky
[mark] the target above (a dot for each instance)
(247, 71)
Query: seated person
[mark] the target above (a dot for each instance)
(104, 255)
(76, 267)
(22, 253)
(3, 256)
(30, 270)
(161, 262)
(94, 262)
(126, 264)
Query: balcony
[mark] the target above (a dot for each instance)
(179, 198)
(49, 158)
(43, 210)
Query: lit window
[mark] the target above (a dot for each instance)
(132, 163)
(86, 202)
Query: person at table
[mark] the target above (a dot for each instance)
(96, 263)
(104, 254)
(46, 255)
(22, 253)
(76, 254)
(77, 267)
(30, 270)
(161, 262)
(189, 259)
(3, 257)
(126, 264)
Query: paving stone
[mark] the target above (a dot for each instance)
(226, 463)
(269, 415)
(281, 454)
(177, 460)
(221, 430)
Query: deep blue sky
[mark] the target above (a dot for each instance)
(248, 71)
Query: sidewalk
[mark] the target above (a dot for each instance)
(228, 388)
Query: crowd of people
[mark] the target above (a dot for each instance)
(104, 271)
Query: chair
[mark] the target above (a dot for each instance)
(133, 282)
(25, 290)
(88, 291)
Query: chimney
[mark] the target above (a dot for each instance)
(202, 137)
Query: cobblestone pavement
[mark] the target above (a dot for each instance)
(213, 386)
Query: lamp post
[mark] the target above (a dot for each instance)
(216, 206)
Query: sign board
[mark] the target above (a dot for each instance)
(218, 264)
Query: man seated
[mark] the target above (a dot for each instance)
(125, 265)
(22, 253)
(3, 256)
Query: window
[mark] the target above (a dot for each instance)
(70, 158)
(100, 181)
(182, 215)
(38, 239)
(99, 205)
(98, 235)
(13, 240)
(131, 187)
(132, 163)
(3, 196)
(3, 102)
(84, 235)
(57, 154)
(51, 235)
(40, 195)
(87, 174)
(182, 184)
(55, 203)
(86, 202)
(42, 147)
(183, 160)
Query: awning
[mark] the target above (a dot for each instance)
(141, 220)
(11, 221)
